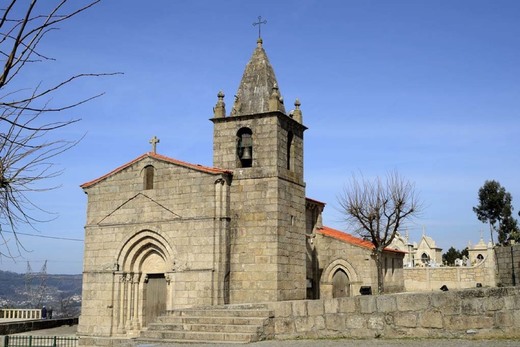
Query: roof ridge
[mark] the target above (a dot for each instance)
(207, 169)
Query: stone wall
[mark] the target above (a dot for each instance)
(508, 259)
(482, 313)
(454, 277)
(459, 277)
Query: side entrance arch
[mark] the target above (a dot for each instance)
(339, 279)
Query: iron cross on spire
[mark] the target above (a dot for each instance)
(259, 23)
(154, 141)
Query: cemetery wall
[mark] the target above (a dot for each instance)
(454, 277)
(471, 313)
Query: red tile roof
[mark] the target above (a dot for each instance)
(206, 169)
(348, 238)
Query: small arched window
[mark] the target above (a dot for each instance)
(148, 177)
(425, 258)
(245, 147)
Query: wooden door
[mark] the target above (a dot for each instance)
(155, 298)
(340, 284)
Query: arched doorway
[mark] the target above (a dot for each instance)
(153, 268)
(142, 293)
(339, 279)
(340, 284)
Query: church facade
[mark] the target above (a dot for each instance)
(163, 234)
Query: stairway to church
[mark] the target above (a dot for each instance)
(211, 324)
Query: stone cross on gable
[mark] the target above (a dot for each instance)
(259, 23)
(154, 141)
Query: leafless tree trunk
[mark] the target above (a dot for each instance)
(28, 142)
(377, 209)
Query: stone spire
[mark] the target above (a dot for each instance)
(257, 87)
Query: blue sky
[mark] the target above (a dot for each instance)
(427, 88)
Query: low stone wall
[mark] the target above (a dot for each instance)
(481, 312)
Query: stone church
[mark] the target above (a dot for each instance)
(163, 234)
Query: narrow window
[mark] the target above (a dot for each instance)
(148, 177)
(290, 137)
(245, 147)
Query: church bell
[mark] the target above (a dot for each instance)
(246, 154)
(245, 145)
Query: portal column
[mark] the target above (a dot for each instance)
(129, 292)
(135, 285)
(122, 290)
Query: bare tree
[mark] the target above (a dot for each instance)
(28, 124)
(377, 209)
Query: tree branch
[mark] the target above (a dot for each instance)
(29, 141)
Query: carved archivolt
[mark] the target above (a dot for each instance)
(328, 273)
(143, 246)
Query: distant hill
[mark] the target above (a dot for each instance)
(61, 292)
(9, 281)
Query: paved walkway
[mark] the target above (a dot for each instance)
(66, 330)
(360, 343)
(388, 343)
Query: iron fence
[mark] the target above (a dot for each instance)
(39, 341)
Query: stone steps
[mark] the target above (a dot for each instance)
(165, 320)
(204, 327)
(213, 324)
(223, 311)
(198, 336)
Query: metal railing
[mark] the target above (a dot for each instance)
(39, 341)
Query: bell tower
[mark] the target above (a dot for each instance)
(263, 147)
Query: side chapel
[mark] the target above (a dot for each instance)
(162, 233)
